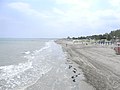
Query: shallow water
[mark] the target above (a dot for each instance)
(12, 51)
(64, 75)
(43, 69)
(17, 72)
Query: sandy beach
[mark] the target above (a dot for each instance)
(63, 74)
(100, 64)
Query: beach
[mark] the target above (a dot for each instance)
(45, 67)
(64, 74)
(99, 63)
(61, 65)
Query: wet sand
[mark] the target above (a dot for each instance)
(64, 75)
(100, 64)
(61, 80)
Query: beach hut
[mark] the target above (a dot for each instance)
(117, 48)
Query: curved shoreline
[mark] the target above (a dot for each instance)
(100, 64)
(64, 75)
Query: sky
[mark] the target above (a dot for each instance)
(57, 18)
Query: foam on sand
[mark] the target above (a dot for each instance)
(23, 74)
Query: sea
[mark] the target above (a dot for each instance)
(35, 64)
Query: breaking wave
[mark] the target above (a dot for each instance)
(38, 62)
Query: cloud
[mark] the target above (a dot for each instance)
(115, 3)
(58, 11)
(74, 14)
(19, 6)
(85, 12)
(74, 10)
(78, 3)
(78, 12)
(27, 9)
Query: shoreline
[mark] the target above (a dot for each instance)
(99, 64)
(63, 77)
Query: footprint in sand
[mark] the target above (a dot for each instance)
(72, 77)
(73, 80)
(70, 66)
(74, 71)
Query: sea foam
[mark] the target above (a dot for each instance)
(22, 74)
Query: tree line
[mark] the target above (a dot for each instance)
(108, 36)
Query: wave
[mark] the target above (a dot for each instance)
(23, 74)
(27, 52)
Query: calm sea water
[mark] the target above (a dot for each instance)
(21, 61)
(36, 64)
(12, 51)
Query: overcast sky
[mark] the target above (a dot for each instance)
(58, 18)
